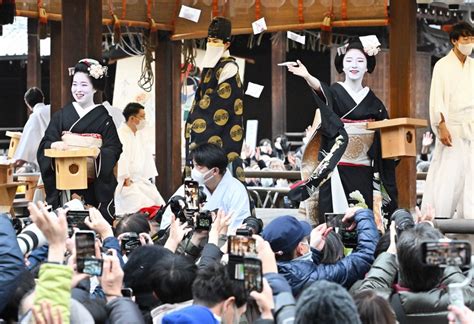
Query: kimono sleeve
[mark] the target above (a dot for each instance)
(110, 150)
(437, 104)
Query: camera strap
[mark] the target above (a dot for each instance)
(396, 304)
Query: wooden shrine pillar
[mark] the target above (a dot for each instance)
(33, 69)
(55, 73)
(278, 84)
(168, 114)
(81, 37)
(402, 87)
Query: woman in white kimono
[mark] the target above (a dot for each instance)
(361, 177)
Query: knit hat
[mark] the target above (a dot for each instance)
(326, 302)
(285, 232)
(194, 314)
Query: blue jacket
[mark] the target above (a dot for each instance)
(11, 261)
(300, 273)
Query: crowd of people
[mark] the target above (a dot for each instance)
(365, 261)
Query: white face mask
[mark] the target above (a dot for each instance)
(213, 54)
(354, 64)
(465, 49)
(201, 177)
(141, 125)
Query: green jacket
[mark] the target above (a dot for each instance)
(420, 307)
(54, 285)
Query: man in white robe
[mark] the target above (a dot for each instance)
(450, 180)
(34, 128)
(136, 165)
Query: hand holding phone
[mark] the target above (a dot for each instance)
(191, 194)
(86, 261)
(112, 276)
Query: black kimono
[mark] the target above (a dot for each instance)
(100, 192)
(359, 177)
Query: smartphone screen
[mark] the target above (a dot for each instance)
(93, 266)
(241, 245)
(191, 194)
(85, 248)
(348, 238)
(75, 218)
(446, 253)
(253, 275)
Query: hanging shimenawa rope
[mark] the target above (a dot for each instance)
(147, 79)
(188, 52)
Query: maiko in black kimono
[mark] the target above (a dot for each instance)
(100, 191)
(379, 175)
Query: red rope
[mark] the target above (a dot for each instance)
(300, 12)
(124, 8)
(215, 8)
(258, 10)
(344, 9)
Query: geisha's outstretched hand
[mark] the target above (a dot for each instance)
(299, 70)
(302, 71)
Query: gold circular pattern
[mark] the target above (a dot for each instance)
(209, 91)
(232, 156)
(218, 73)
(199, 125)
(205, 102)
(221, 117)
(238, 106)
(187, 131)
(239, 82)
(216, 140)
(207, 78)
(224, 90)
(192, 146)
(239, 172)
(236, 133)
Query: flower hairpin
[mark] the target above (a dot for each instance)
(97, 71)
(371, 44)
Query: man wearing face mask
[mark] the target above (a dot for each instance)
(449, 186)
(135, 166)
(221, 188)
(216, 114)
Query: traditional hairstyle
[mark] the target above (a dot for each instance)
(356, 44)
(94, 70)
(220, 28)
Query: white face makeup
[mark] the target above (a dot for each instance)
(82, 89)
(354, 64)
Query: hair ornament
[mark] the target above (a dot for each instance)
(371, 44)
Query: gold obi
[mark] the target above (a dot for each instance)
(360, 141)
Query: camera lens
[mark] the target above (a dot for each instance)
(403, 220)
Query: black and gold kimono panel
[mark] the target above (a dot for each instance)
(217, 112)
